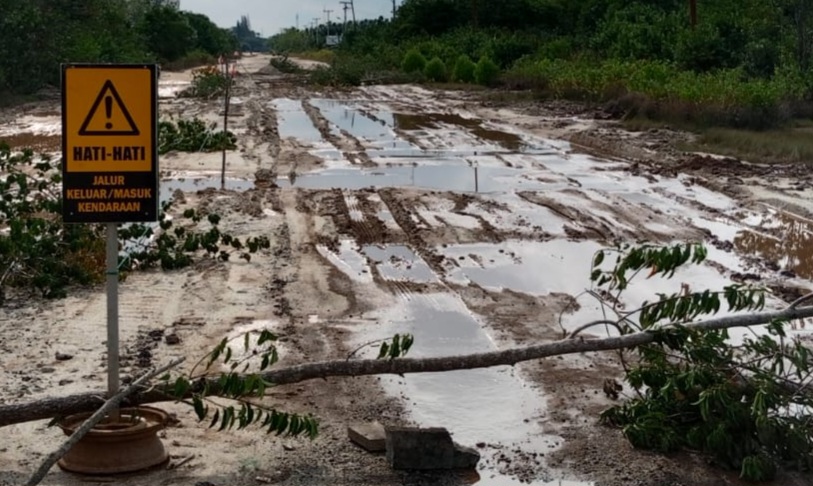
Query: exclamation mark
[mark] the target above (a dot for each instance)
(108, 109)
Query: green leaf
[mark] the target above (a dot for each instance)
(199, 408)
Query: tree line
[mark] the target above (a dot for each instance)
(37, 35)
(741, 63)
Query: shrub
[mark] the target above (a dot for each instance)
(413, 61)
(285, 65)
(486, 72)
(436, 70)
(464, 69)
(207, 82)
(191, 60)
(192, 136)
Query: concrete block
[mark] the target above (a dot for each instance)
(371, 436)
(427, 449)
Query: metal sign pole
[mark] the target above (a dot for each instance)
(113, 314)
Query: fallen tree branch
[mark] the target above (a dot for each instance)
(52, 407)
(94, 419)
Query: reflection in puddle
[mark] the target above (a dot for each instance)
(294, 122)
(194, 184)
(398, 262)
(348, 260)
(384, 142)
(791, 247)
(353, 121)
(471, 404)
(433, 121)
(560, 265)
(462, 177)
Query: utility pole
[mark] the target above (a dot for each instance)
(393, 8)
(353, 11)
(345, 6)
(327, 11)
(297, 21)
(315, 23)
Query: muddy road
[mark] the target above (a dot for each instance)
(469, 224)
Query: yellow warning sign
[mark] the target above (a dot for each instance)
(109, 118)
(112, 122)
(109, 146)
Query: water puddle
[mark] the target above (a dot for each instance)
(352, 120)
(397, 262)
(541, 268)
(379, 136)
(434, 121)
(460, 178)
(348, 260)
(294, 122)
(471, 404)
(194, 184)
(781, 238)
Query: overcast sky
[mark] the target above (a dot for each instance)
(270, 16)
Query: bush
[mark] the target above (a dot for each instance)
(486, 72)
(436, 70)
(413, 61)
(464, 69)
(191, 60)
(192, 136)
(208, 82)
(285, 65)
(323, 55)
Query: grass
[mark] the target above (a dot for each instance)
(781, 146)
(192, 60)
(323, 55)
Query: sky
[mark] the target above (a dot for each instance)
(268, 17)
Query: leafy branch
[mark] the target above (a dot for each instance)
(38, 251)
(248, 388)
(742, 405)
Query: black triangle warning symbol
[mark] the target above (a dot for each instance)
(108, 115)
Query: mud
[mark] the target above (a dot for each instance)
(470, 223)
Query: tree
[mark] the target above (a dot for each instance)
(247, 39)
(168, 33)
(209, 37)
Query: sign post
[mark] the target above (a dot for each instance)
(110, 163)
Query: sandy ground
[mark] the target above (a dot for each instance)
(400, 209)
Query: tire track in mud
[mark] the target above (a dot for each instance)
(351, 148)
(581, 219)
(403, 218)
(276, 286)
(269, 124)
(158, 304)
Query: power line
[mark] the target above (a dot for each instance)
(328, 11)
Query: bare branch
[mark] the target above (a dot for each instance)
(47, 408)
(94, 419)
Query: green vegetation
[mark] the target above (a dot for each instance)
(37, 35)
(193, 136)
(792, 144)
(413, 61)
(207, 82)
(747, 63)
(285, 65)
(742, 406)
(435, 70)
(38, 252)
(464, 69)
(486, 71)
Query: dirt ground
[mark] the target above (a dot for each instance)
(469, 223)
